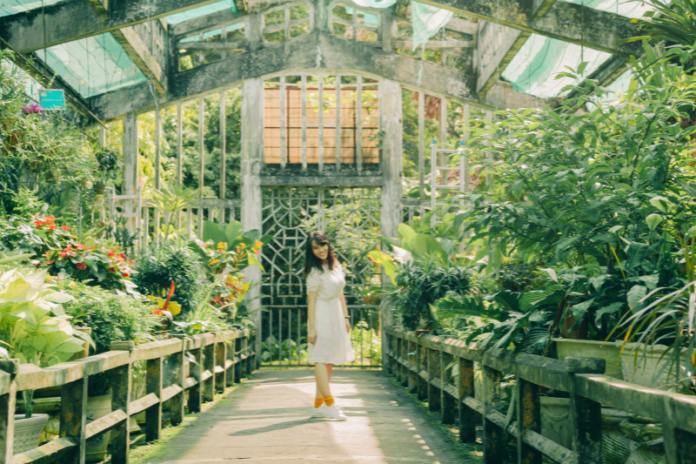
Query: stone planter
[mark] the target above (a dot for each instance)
(641, 366)
(97, 407)
(27, 432)
(609, 351)
(556, 422)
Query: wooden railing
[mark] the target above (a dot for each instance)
(221, 360)
(420, 364)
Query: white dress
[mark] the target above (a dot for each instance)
(333, 343)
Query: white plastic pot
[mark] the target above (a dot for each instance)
(97, 407)
(27, 432)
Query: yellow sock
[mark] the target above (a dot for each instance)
(329, 400)
(318, 402)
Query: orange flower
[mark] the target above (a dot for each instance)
(157, 312)
(65, 227)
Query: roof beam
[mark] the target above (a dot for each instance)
(202, 23)
(140, 53)
(308, 53)
(569, 22)
(76, 19)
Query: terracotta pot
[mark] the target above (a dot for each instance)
(580, 333)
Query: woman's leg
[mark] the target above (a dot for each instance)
(321, 374)
(329, 368)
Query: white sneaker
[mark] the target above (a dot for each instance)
(316, 413)
(332, 412)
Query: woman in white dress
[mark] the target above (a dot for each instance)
(328, 324)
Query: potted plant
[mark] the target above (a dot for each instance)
(106, 161)
(36, 330)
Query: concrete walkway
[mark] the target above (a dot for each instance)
(267, 421)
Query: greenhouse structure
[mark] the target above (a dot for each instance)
(508, 186)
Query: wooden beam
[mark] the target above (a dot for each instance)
(435, 44)
(213, 46)
(569, 22)
(79, 19)
(202, 23)
(138, 51)
(311, 52)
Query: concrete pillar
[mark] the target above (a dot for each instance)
(130, 164)
(252, 161)
(391, 164)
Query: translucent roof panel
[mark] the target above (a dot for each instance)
(628, 8)
(536, 65)
(202, 11)
(12, 7)
(93, 65)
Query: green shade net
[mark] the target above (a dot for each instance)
(93, 65)
(426, 21)
(13, 7)
(536, 65)
(202, 11)
(375, 3)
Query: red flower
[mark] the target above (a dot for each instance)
(81, 266)
(157, 312)
(51, 226)
(125, 274)
(38, 264)
(111, 253)
(65, 227)
(38, 223)
(49, 262)
(256, 250)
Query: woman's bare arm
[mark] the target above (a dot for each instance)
(344, 307)
(311, 319)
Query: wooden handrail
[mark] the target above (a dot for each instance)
(227, 361)
(418, 362)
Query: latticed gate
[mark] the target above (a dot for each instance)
(351, 219)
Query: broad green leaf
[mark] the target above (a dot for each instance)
(661, 203)
(579, 310)
(611, 309)
(635, 294)
(551, 274)
(212, 231)
(653, 220)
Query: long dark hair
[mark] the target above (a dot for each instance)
(311, 261)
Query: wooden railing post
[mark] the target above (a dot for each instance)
(194, 396)
(230, 356)
(73, 418)
(403, 354)
(413, 367)
(177, 403)
(209, 365)
(7, 412)
(493, 443)
(586, 413)
(467, 416)
(153, 414)
(248, 366)
(422, 368)
(239, 353)
(121, 392)
(221, 377)
(528, 418)
(434, 395)
(449, 403)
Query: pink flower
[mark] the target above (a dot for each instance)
(35, 108)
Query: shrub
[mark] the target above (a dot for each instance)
(422, 284)
(157, 269)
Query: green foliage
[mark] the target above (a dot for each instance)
(55, 247)
(33, 322)
(38, 152)
(421, 285)
(172, 262)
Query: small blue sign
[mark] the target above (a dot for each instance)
(52, 99)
